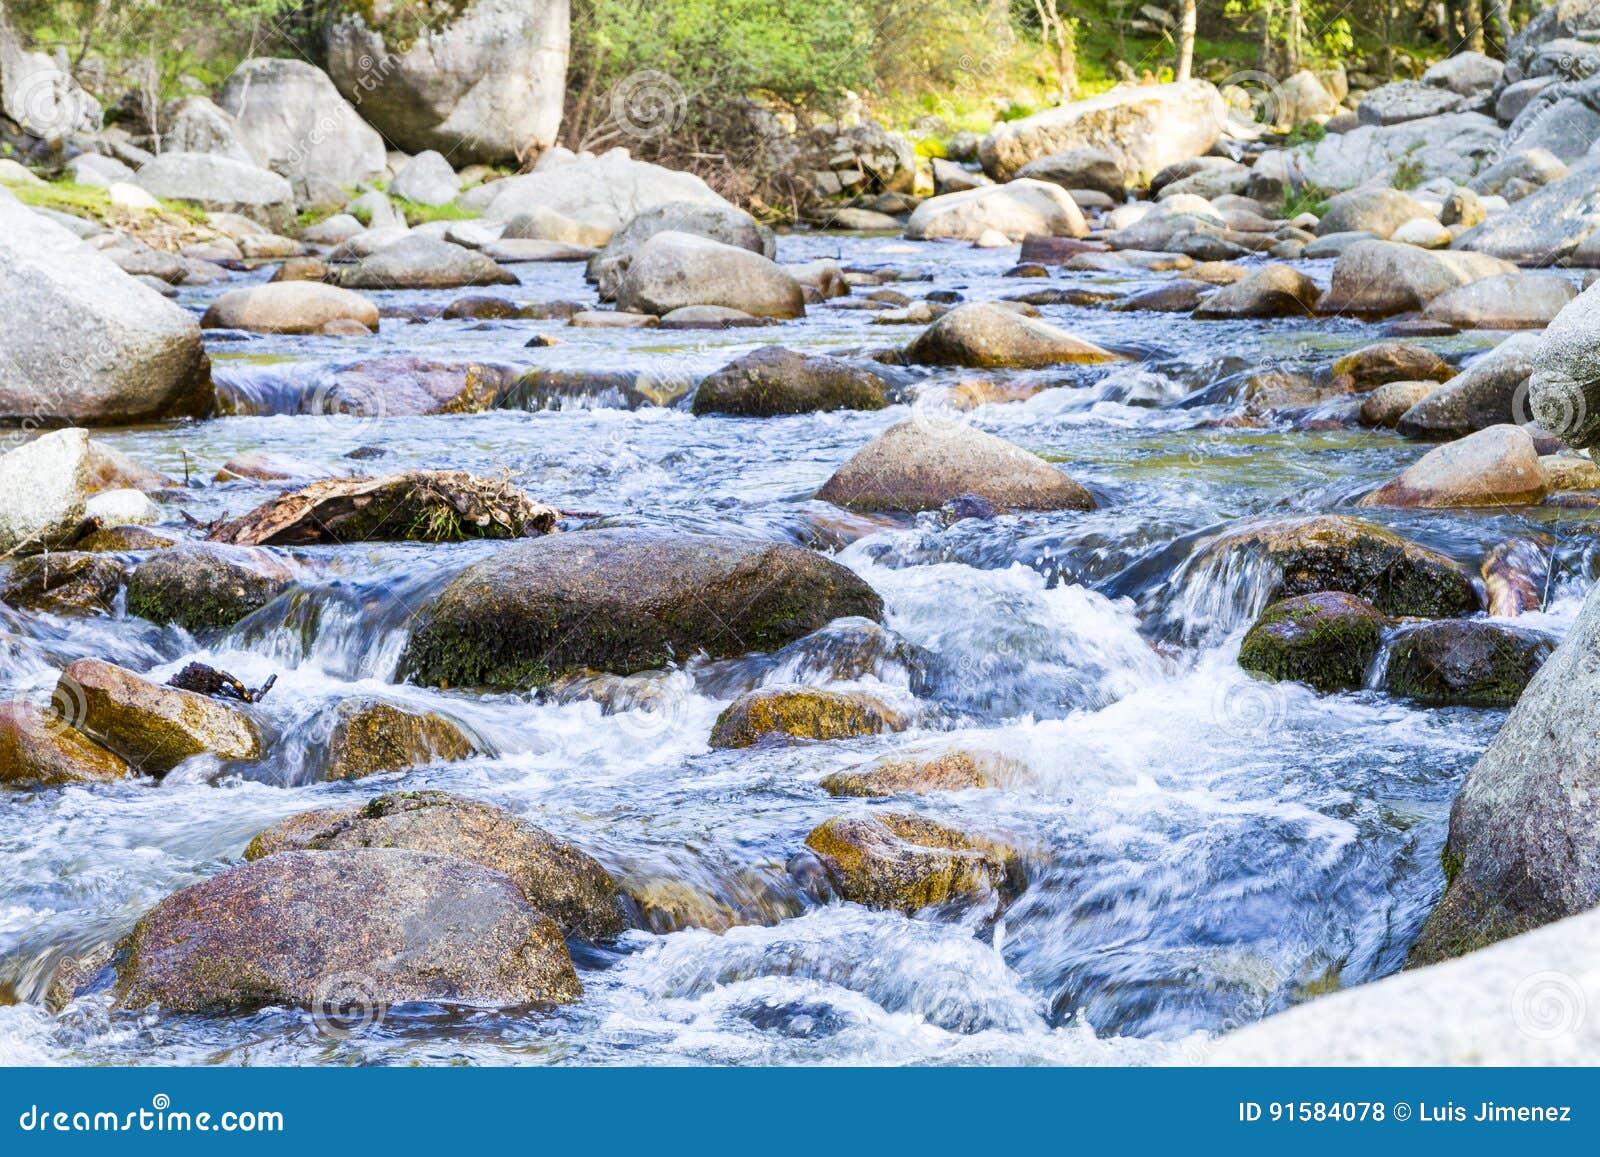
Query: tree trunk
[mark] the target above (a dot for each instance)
(1186, 41)
(1264, 53)
(1500, 10)
(1472, 17)
(1291, 40)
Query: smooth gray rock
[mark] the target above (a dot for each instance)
(721, 223)
(1564, 386)
(426, 178)
(291, 117)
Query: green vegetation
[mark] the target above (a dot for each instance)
(89, 201)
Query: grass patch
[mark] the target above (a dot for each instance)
(90, 201)
(1307, 198)
(416, 213)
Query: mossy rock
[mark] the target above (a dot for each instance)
(1465, 662)
(1334, 552)
(337, 930)
(555, 876)
(773, 381)
(205, 587)
(902, 862)
(787, 713)
(1326, 640)
(124, 539)
(70, 583)
(623, 601)
(371, 736)
(957, 770)
(39, 748)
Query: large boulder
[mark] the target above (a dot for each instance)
(427, 179)
(604, 192)
(623, 601)
(1561, 118)
(923, 464)
(1083, 167)
(134, 356)
(1564, 386)
(721, 223)
(1533, 168)
(1465, 662)
(289, 307)
(1016, 209)
(785, 714)
(1379, 278)
(221, 185)
(72, 582)
(344, 933)
(197, 125)
(773, 380)
(1505, 301)
(985, 335)
(1455, 145)
(1407, 100)
(902, 862)
(418, 261)
(1371, 210)
(295, 122)
(39, 94)
(1272, 291)
(1485, 393)
(1466, 73)
(372, 736)
(1545, 226)
(1495, 466)
(672, 270)
(38, 748)
(1145, 127)
(1326, 640)
(1522, 850)
(481, 81)
(201, 586)
(1333, 552)
(556, 877)
(153, 727)
(44, 486)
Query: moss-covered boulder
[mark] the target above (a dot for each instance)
(343, 930)
(1389, 361)
(68, 583)
(1333, 552)
(556, 877)
(773, 381)
(914, 774)
(623, 601)
(1326, 640)
(151, 726)
(39, 748)
(205, 587)
(371, 736)
(786, 713)
(983, 334)
(1465, 662)
(922, 464)
(124, 539)
(905, 863)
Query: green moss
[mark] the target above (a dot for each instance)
(416, 213)
(90, 201)
(1325, 640)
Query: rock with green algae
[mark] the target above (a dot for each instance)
(124, 539)
(1465, 662)
(1326, 640)
(1332, 552)
(205, 587)
(774, 380)
(371, 736)
(151, 726)
(64, 583)
(555, 876)
(787, 713)
(333, 930)
(623, 601)
(38, 748)
(911, 773)
(905, 863)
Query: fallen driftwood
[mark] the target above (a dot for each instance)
(417, 506)
(204, 680)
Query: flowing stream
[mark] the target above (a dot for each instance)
(1203, 848)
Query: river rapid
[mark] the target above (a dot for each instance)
(1203, 848)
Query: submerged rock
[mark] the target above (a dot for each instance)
(773, 380)
(1326, 640)
(557, 878)
(1521, 851)
(1497, 466)
(801, 713)
(905, 863)
(336, 930)
(623, 601)
(202, 587)
(921, 465)
(1465, 662)
(983, 335)
(371, 736)
(154, 728)
(40, 748)
(1334, 552)
(913, 774)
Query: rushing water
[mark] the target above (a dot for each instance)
(1203, 849)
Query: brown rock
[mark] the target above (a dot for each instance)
(153, 727)
(905, 863)
(801, 713)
